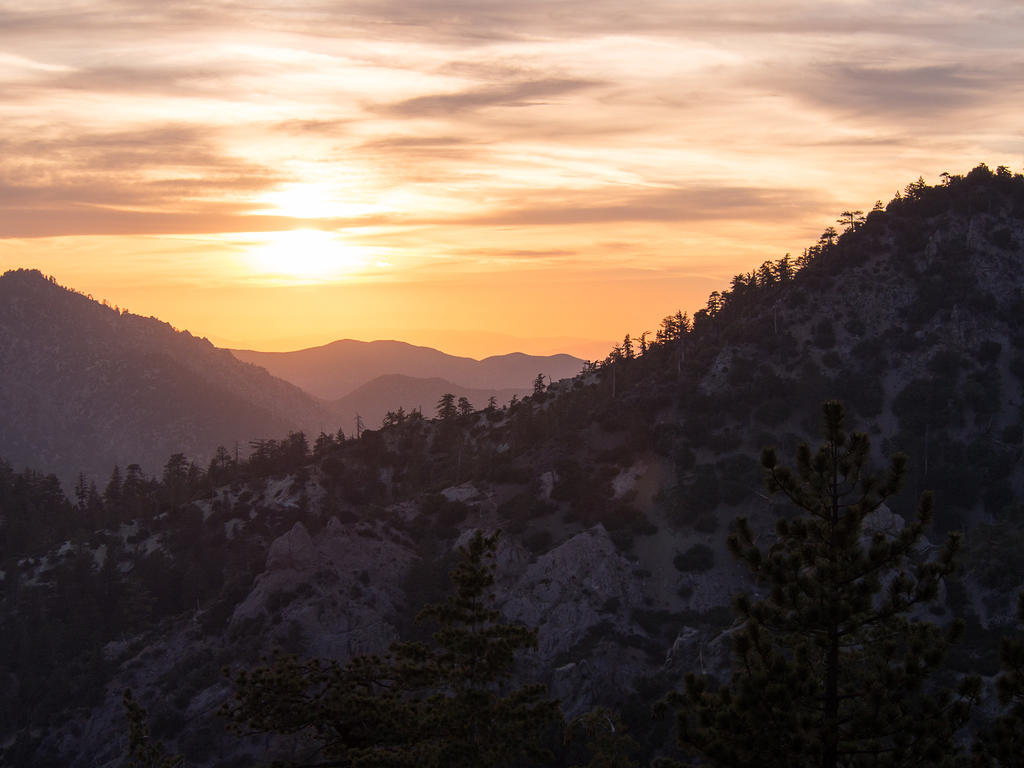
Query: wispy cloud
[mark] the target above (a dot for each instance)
(494, 135)
(692, 204)
(523, 94)
(902, 91)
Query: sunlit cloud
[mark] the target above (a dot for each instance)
(433, 141)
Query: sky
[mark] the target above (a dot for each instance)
(478, 176)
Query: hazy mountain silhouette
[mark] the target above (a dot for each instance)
(336, 369)
(84, 386)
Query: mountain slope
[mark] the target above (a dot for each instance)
(85, 386)
(615, 492)
(336, 369)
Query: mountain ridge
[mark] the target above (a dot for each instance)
(129, 388)
(331, 371)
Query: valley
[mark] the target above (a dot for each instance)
(615, 488)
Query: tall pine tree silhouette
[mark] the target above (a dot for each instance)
(447, 704)
(1002, 745)
(832, 666)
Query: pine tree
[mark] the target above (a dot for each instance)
(538, 385)
(831, 668)
(446, 407)
(1003, 744)
(601, 735)
(447, 704)
(142, 751)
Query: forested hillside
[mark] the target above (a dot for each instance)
(86, 386)
(616, 493)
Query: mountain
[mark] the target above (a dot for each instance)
(615, 492)
(84, 386)
(336, 369)
(373, 400)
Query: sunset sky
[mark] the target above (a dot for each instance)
(474, 175)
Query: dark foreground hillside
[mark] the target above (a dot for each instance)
(615, 493)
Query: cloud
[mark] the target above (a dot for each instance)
(521, 254)
(628, 105)
(506, 95)
(904, 91)
(143, 180)
(81, 220)
(332, 128)
(694, 203)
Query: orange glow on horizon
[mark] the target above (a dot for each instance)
(498, 176)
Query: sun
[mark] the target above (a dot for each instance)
(304, 255)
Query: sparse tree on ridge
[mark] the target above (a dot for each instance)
(538, 384)
(446, 407)
(784, 269)
(852, 219)
(915, 189)
(714, 303)
(765, 275)
(828, 237)
(323, 445)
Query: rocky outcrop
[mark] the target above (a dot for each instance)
(338, 591)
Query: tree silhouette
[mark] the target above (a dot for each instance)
(446, 407)
(1002, 745)
(830, 667)
(449, 703)
(852, 219)
(828, 237)
(142, 751)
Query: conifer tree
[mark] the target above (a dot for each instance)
(1003, 744)
(538, 385)
(142, 751)
(604, 738)
(831, 666)
(448, 704)
(446, 408)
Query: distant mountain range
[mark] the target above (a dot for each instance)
(335, 370)
(84, 386)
